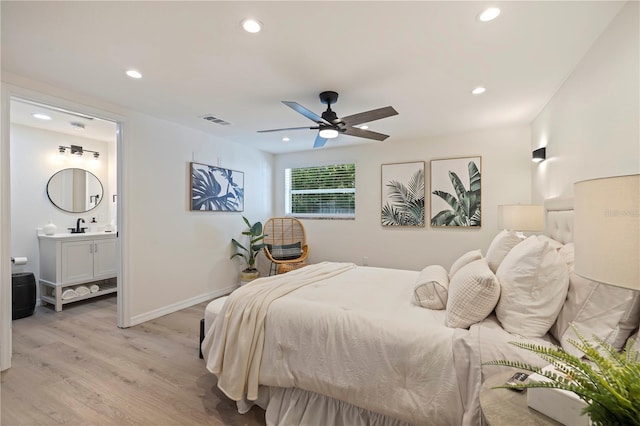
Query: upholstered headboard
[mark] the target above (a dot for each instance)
(559, 219)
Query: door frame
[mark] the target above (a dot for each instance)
(9, 91)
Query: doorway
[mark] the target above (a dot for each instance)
(64, 175)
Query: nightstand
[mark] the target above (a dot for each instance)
(508, 407)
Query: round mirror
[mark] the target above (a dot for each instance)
(75, 190)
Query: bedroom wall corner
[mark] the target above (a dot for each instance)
(590, 127)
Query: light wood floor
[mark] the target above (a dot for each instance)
(76, 367)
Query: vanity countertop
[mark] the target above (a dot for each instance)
(79, 236)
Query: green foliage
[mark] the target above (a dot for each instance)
(465, 205)
(214, 189)
(608, 381)
(255, 246)
(407, 206)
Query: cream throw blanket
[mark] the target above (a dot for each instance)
(235, 342)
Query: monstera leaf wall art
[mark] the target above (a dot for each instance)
(456, 192)
(216, 189)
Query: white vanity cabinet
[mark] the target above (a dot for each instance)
(68, 261)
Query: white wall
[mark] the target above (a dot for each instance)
(176, 255)
(591, 127)
(506, 178)
(34, 159)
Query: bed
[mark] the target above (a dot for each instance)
(335, 343)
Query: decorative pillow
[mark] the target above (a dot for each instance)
(500, 246)
(285, 252)
(432, 287)
(473, 293)
(554, 244)
(465, 259)
(596, 309)
(534, 279)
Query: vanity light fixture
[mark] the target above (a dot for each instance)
(539, 155)
(77, 150)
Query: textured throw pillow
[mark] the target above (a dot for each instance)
(534, 280)
(473, 293)
(500, 246)
(432, 287)
(596, 309)
(463, 260)
(285, 252)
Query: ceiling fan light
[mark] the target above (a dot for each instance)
(328, 133)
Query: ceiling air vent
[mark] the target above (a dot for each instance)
(216, 120)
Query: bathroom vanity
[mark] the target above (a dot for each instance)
(75, 262)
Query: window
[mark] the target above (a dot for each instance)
(321, 191)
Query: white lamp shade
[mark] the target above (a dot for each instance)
(521, 217)
(607, 230)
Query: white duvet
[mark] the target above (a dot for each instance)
(353, 334)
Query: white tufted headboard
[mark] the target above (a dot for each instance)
(559, 219)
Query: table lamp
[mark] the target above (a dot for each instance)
(607, 230)
(521, 217)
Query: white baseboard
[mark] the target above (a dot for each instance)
(156, 313)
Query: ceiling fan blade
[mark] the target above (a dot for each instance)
(368, 134)
(367, 116)
(320, 141)
(307, 113)
(286, 128)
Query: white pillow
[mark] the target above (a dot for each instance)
(596, 309)
(466, 258)
(500, 246)
(431, 288)
(554, 244)
(534, 280)
(473, 293)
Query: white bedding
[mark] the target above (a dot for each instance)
(358, 338)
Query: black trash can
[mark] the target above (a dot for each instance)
(23, 294)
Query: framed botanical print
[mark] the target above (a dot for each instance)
(216, 189)
(456, 192)
(402, 194)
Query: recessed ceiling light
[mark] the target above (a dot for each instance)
(134, 74)
(489, 14)
(286, 139)
(364, 127)
(41, 116)
(251, 25)
(478, 90)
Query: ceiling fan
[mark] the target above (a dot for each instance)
(330, 125)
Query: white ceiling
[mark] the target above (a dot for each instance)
(423, 58)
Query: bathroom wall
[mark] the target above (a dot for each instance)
(34, 159)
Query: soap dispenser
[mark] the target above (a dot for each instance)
(93, 225)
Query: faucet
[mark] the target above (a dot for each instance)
(78, 229)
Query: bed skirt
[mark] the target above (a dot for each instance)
(292, 406)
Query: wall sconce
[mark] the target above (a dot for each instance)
(539, 155)
(77, 150)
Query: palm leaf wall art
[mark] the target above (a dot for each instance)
(403, 194)
(216, 189)
(452, 204)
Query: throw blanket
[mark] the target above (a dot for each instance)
(241, 323)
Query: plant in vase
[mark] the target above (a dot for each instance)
(250, 254)
(608, 381)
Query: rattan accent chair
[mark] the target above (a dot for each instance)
(286, 244)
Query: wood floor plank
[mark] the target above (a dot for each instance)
(76, 367)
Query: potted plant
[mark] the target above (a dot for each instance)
(608, 381)
(249, 254)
